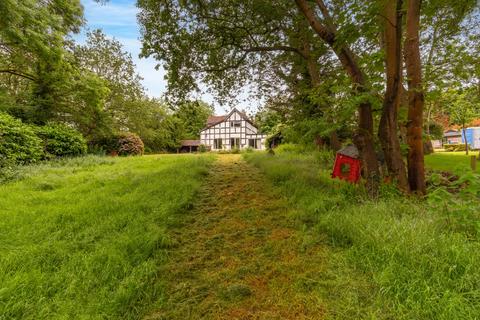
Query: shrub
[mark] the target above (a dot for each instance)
(455, 147)
(61, 141)
(123, 144)
(202, 148)
(18, 142)
(129, 144)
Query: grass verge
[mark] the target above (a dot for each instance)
(84, 238)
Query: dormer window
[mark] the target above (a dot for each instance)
(235, 124)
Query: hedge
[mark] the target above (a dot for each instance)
(455, 147)
(18, 142)
(61, 141)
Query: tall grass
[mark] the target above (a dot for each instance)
(419, 265)
(84, 238)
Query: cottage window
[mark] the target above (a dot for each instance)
(235, 124)
(252, 143)
(217, 143)
(234, 143)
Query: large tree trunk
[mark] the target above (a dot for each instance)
(364, 137)
(416, 170)
(388, 129)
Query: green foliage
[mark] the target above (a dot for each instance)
(267, 120)
(202, 148)
(122, 143)
(18, 142)
(90, 233)
(463, 105)
(61, 141)
(193, 115)
(89, 114)
(436, 130)
(455, 147)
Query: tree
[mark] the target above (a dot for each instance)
(193, 115)
(267, 120)
(364, 137)
(107, 59)
(463, 108)
(225, 44)
(388, 127)
(32, 44)
(416, 169)
(313, 60)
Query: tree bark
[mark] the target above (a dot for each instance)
(364, 137)
(388, 128)
(416, 170)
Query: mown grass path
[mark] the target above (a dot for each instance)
(239, 255)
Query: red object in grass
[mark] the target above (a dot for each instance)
(347, 165)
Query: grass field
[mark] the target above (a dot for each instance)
(84, 238)
(455, 162)
(420, 260)
(218, 237)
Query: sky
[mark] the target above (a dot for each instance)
(117, 19)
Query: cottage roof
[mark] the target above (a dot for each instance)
(349, 151)
(452, 133)
(190, 143)
(213, 120)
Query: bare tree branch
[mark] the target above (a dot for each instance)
(17, 73)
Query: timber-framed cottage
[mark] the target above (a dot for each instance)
(231, 131)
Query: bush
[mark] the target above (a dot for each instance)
(455, 147)
(129, 144)
(18, 142)
(202, 148)
(123, 144)
(61, 141)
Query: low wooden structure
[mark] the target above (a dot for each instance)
(189, 146)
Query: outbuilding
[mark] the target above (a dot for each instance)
(189, 146)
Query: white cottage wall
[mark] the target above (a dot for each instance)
(233, 127)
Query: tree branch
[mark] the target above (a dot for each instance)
(327, 35)
(326, 15)
(276, 48)
(16, 73)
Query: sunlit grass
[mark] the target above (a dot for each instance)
(85, 238)
(455, 162)
(418, 263)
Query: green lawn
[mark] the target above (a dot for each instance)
(124, 238)
(455, 162)
(84, 238)
(420, 259)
